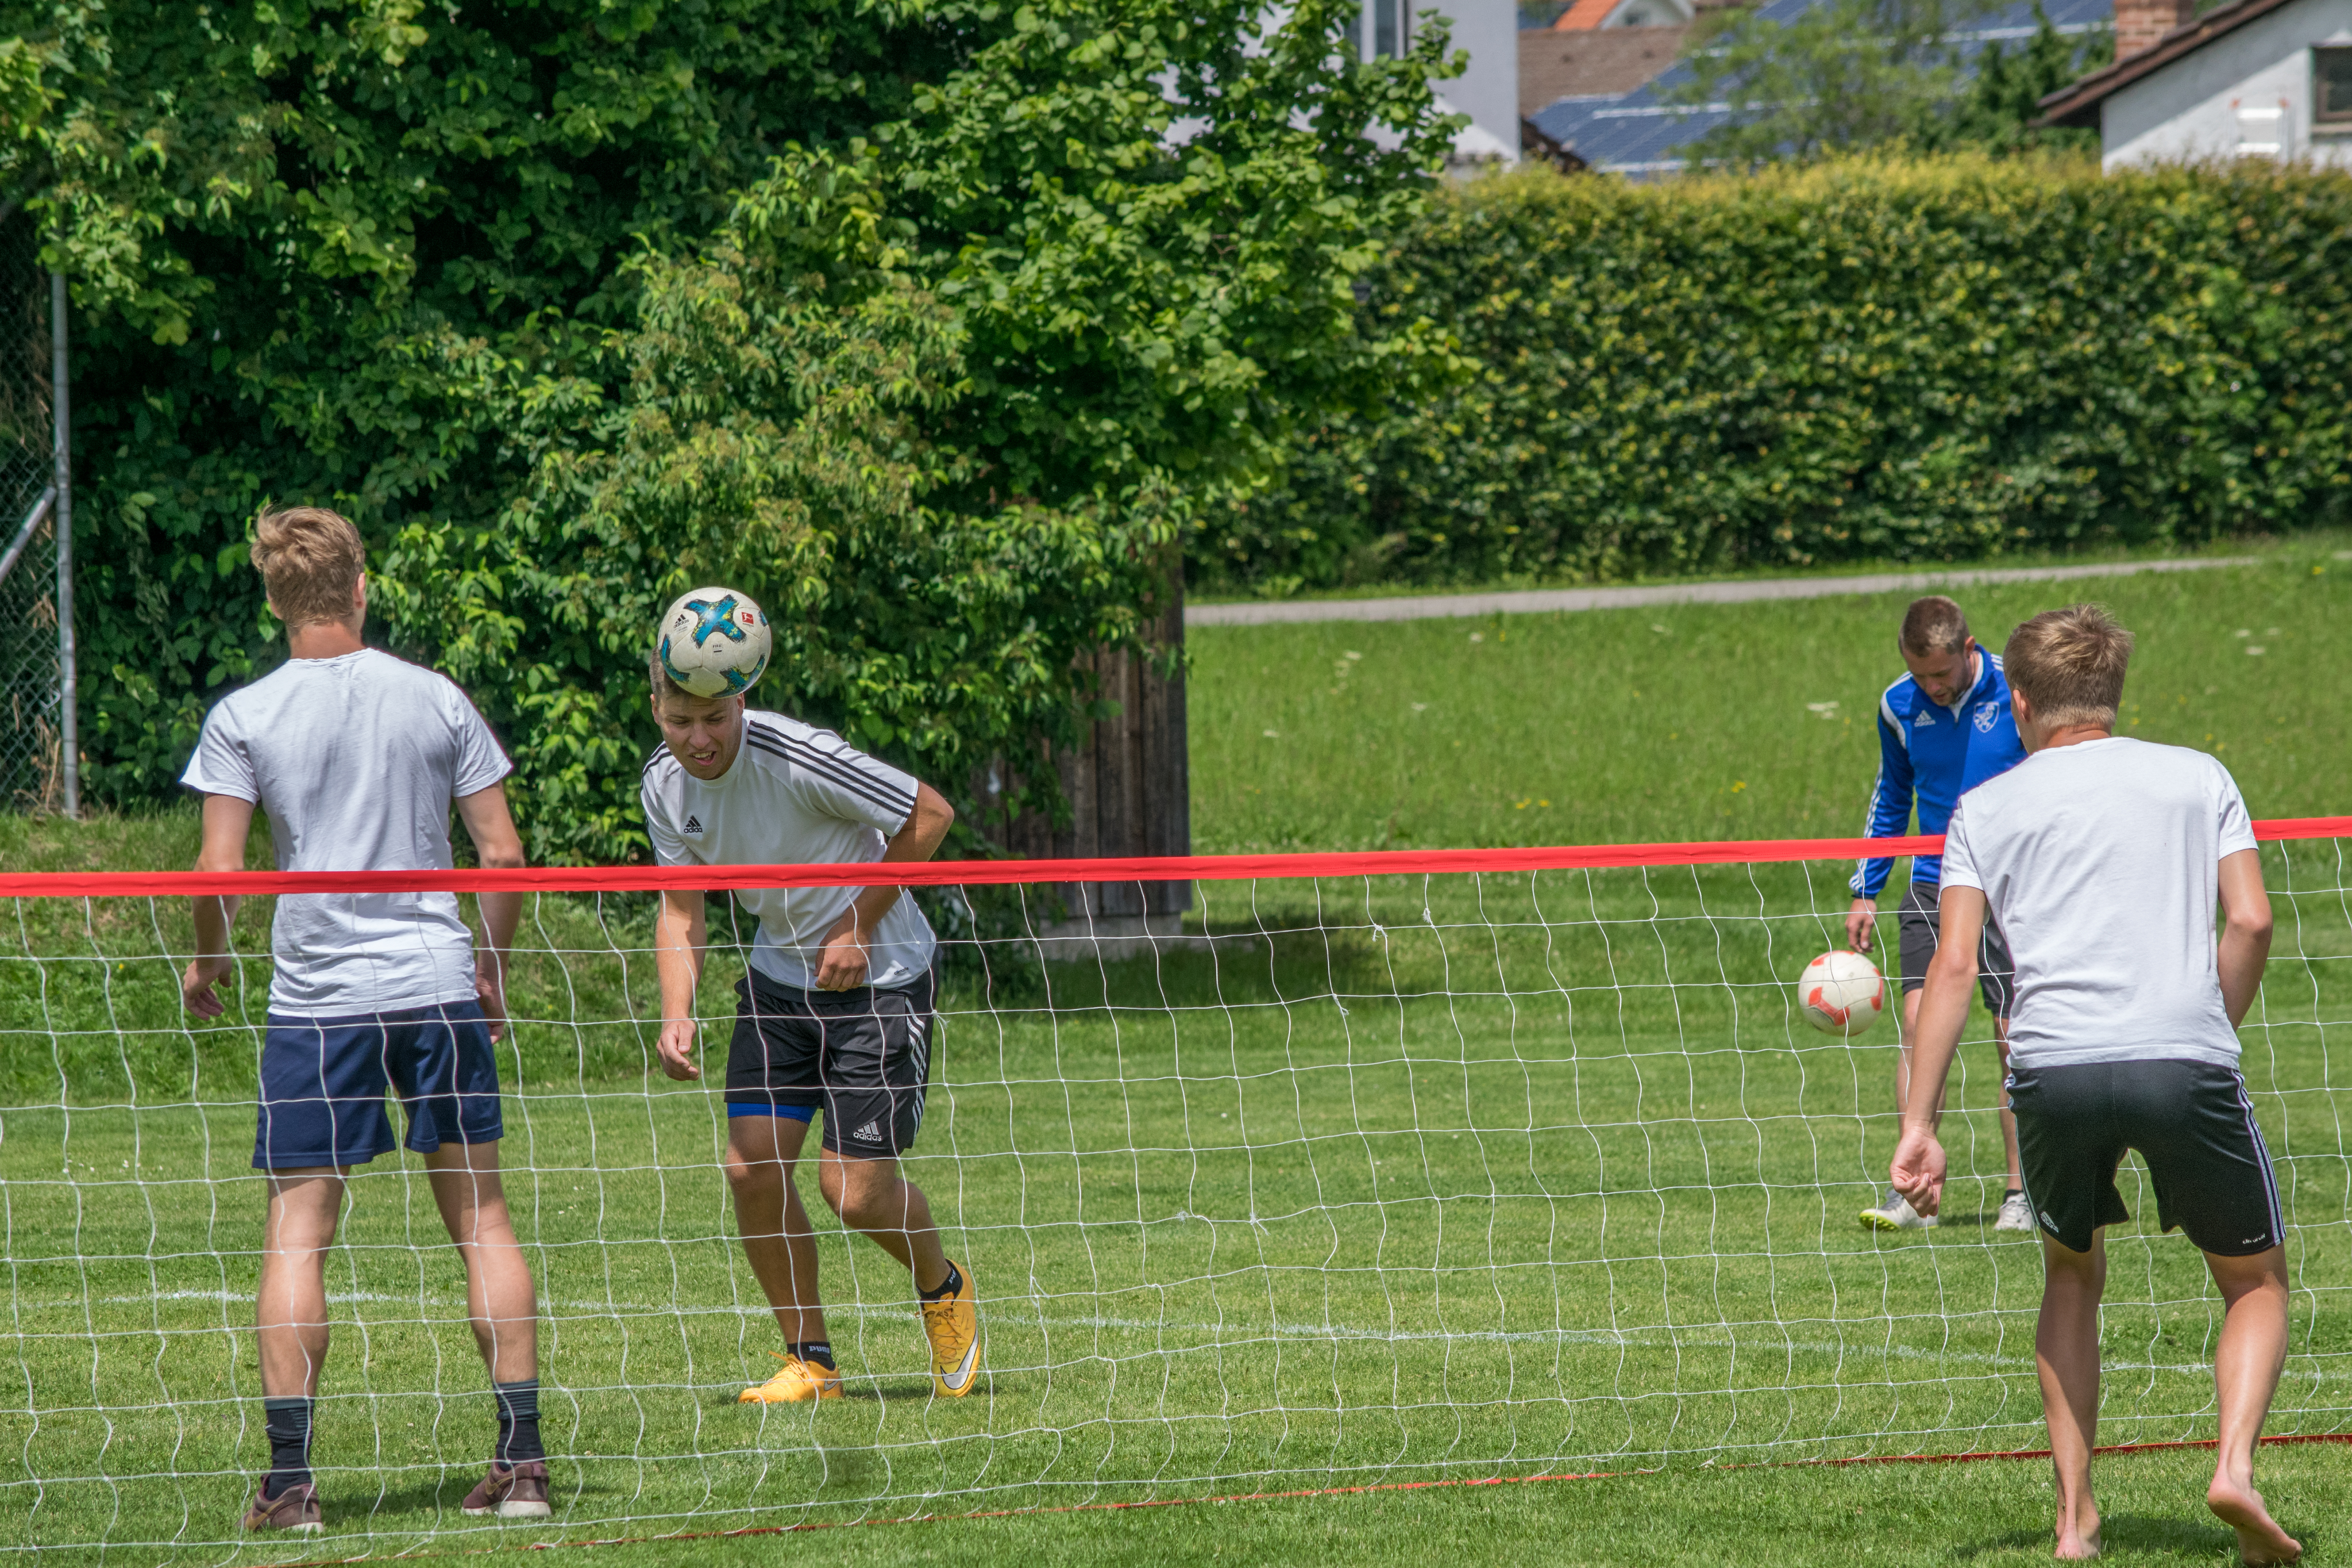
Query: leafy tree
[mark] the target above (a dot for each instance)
(1849, 74)
(571, 304)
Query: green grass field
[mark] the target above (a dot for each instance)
(1405, 1180)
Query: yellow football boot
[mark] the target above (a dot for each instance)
(798, 1380)
(952, 1325)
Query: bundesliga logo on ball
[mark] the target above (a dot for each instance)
(714, 642)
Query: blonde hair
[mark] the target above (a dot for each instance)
(2070, 664)
(1934, 624)
(311, 560)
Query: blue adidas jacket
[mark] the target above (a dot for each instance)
(1936, 755)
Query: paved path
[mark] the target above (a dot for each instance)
(1436, 606)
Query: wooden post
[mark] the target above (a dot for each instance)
(1128, 786)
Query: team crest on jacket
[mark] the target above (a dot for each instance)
(1987, 715)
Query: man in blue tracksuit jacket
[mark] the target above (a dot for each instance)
(1944, 728)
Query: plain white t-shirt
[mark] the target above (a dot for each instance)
(356, 760)
(2102, 863)
(795, 795)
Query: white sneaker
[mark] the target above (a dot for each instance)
(1896, 1214)
(2016, 1214)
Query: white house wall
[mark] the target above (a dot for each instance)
(1488, 90)
(2194, 108)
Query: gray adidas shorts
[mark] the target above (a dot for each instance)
(1917, 924)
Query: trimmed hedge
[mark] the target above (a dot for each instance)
(1926, 359)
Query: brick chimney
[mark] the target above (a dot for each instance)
(2140, 23)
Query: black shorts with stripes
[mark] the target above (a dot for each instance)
(2191, 1121)
(862, 1056)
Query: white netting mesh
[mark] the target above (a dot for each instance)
(1400, 1179)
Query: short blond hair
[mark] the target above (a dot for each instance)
(311, 560)
(1934, 624)
(2070, 664)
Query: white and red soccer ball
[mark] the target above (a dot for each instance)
(1842, 993)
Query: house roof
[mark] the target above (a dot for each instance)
(1640, 135)
(1553, 65)
(2079, 104)
(1585, 16)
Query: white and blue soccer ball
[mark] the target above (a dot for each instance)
(714, 642)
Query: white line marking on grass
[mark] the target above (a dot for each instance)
(1433, 606)
(1226, 1334)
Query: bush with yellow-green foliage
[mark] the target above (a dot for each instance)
(1923, 359)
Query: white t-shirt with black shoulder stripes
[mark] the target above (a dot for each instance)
(795, 795)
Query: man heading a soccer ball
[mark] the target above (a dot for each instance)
(836, 1011)
(1944, 727)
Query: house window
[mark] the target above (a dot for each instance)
(1392, 20)
(2331, 87)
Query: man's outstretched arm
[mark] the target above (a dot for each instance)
(1918, 1171)
(228, 820)
(1889, 815)
(680, 936)
(843, 964)
(491, 826)
(2245, 945)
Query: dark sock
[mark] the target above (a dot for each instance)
(2012, 1192)
(517, 1421)
(948, 1286)
(818, 1352)
(288, 1422)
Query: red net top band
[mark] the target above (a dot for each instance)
(973, 873)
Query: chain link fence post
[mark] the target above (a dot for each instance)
(34, 754)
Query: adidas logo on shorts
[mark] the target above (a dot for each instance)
(694, 824)
(870, 1134)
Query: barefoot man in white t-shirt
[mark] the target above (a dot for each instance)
(834, 1014)
(2104, 859)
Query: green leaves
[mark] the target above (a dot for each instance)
(1930, 358)
(1846, 74)
(932, 326)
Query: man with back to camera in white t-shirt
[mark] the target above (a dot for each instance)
(835, 1013)
(357, 757)
(2103, 858)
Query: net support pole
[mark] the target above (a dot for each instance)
(61, 410)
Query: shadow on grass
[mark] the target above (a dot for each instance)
(2198, 1537)
(443, 1497)
(874, 1391)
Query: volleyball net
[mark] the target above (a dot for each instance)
(1386, 1168)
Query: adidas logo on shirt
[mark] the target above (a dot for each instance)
(694, 824)
(870, 1134)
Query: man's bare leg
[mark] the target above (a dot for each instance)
(499, 1297)
(873, 1199)
(291, 1310)
(2066, 1356)
(777, 1240)
(2246, 1368)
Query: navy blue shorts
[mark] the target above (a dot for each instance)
(323, 1079)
